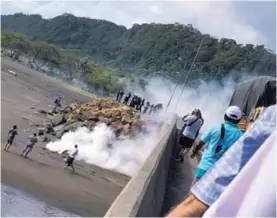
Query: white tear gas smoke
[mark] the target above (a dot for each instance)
(212, 98)
(100, 147)
(128, 155)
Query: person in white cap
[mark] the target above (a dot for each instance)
(219, 138)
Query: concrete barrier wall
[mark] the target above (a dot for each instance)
(144, 194)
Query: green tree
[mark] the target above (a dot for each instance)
(147, 48)
(15, 43)
(69, 64)
(42, 53)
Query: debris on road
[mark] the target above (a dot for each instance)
(12, 72)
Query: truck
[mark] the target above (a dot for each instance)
(253, 96)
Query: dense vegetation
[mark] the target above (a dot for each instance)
(48, 57)
(145, 49)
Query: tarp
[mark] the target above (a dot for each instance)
(259, 92)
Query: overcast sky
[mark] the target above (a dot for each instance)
(245, 21)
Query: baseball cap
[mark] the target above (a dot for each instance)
(234, 113)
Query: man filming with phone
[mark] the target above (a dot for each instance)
(189, 132)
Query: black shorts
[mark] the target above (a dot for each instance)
(10, 141)
(185, 142)
(29, 147)
(69, 161)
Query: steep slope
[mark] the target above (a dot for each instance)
(146, 48)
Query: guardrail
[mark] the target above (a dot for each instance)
(144, 194)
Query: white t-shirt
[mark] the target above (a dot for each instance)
(252, 193)
(190, 131)
(74, 153)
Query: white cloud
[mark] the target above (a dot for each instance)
(155, 9)
(213, 17)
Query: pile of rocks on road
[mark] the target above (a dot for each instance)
(123, 119)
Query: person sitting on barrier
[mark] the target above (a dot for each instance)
(189, 132)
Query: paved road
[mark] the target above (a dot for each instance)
(179, 180)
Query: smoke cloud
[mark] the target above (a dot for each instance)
(212, 97)
(100, 147)
(128, 155)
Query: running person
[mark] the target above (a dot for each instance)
(11, 136)
(30, 144)
(189, 132)
(71, 157)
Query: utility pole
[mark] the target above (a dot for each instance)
(184, 68)
(189, 72)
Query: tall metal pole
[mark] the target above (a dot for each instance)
(189, 72)
(175, 87)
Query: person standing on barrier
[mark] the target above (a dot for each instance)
(189, 132)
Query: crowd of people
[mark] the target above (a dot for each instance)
(137, 103)
(33, 139)
(226, 153)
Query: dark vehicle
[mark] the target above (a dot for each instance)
(252, 97)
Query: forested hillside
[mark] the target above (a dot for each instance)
(145, 49)
(58, 62)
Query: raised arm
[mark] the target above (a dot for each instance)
(184, 117)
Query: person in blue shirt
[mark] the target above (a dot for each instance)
(219, 139)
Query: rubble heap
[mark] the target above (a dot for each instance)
(123, 119)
